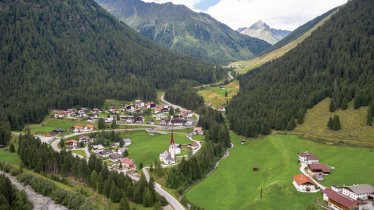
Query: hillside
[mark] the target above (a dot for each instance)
(354, 129)
(180, 29)
(284, 45)
(335, 61)
(58, 54)
(263, 31)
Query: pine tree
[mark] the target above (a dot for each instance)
(329, 124)
(369, 121)
(124, 204)
(336, 123)
(226, 94)
(11, 148)
(345, 104)
(332, 107)
(101, 123)
(61, 144)
(114, 125)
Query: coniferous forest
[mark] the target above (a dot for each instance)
(57, 54)
(11, 198)
(336, 61)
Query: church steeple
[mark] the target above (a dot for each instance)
(172, 138)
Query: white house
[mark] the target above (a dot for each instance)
(71, 143)
(338, 201)
(198, 131)
(303, 183)
(306, 157)
(358, 191)
(126, 142)
(89, 127)
(77, 128)
(109, 119)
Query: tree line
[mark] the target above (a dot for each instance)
(216, 133)
(11, 198)
(43, 159)
(336, 61)
(59, 54)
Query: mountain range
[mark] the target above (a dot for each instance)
(263, 31)
(183, 30)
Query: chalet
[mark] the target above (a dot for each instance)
(109, 119)
(139, 104)
(129, 108)
(178, 121)
(89, 127)
(126, 142)
(113, 110)
(58, 130)
(338, 201)
(303, 183)
(158, 109)
(98, 147)
(317, 168)
(222, 86)
(164, 110)
(105, 152)
(77, 128)
(84, 139)
(222, 109)
(128, 163)
(189, 123)
(115, 156)
(96, 111)
(71, 143)
(358, 191)
(122, 150)
(60, 114)
(127, 118)
(306, 157)
(139, 119)
(150, 105)
(198, 131)
(93, 116)
(193, 145)
(187, 113)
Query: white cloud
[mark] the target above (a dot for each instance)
(283, 14)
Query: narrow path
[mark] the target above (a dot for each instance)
(302, 169)
(39, 201)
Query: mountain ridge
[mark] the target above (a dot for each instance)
(183, 30)
(263, 31)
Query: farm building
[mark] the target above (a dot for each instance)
(303, 183)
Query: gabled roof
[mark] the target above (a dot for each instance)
(361, 189)
(341, 199)
(319, 166)
(301, 179)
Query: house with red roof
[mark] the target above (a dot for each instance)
(128, 164)
(306, 157)
(89, 127)
(304, 184)
(71, 143)
(77, 128)
(318, 168)
(338, 201)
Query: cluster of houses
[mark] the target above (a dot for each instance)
(83, 139)
(82, 128)
(91, 114)
(358, 196)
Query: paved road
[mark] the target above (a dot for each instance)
(39, 201)
(170, 104)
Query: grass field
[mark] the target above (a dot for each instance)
(114, 103)
(11, 158)
(50, 124)
(79, 152)
(146, 148)
(245, 66)
(354, 130)
(215, 96)
(235, 186)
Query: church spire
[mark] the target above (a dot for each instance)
(172, 138)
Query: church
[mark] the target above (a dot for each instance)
(168, 157)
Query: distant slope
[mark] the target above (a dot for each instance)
(58, 54)
(335, 61)
(263, 31)
(285, 45)
(180, 29)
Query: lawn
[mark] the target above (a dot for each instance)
(114, 103)
(50, 124)
(354, 129)
(235, 186)
(10, 157)
(146, 148)
(215, 96)
(79, 152)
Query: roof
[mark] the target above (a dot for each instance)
(90, 126)
(312, 157)
(361, 189)
(198, 129)
(70, 142)
(341, 199)
(319, 166)
(77, 126)
(301, 179)
(127, 161)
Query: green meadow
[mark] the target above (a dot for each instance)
(234, 185)
(49, 124)
(146, 148)
(215, 96)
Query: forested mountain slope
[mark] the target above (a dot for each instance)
(183, 30)
(56, 54)
(336, 61)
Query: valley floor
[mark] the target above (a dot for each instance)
(234, 185)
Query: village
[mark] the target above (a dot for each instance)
(357, 196)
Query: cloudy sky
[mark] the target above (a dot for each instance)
(281, 14)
